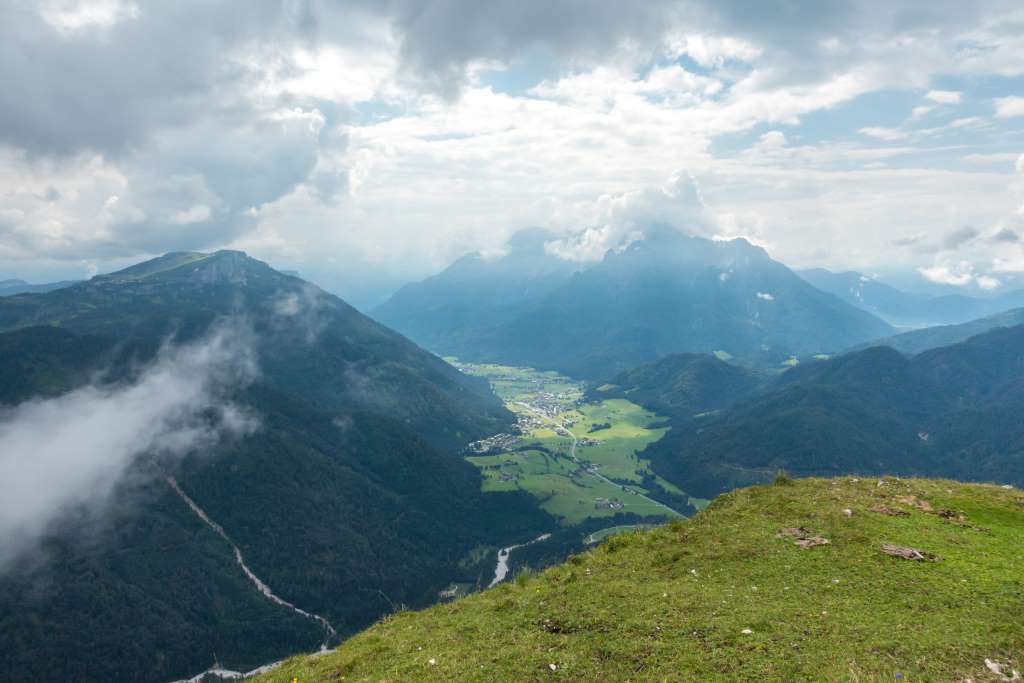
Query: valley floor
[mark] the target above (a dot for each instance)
(580, 459)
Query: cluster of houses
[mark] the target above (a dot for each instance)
(553, 404)
(498, 442)
(585, 468)
(607, 504)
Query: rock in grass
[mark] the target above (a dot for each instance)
(908, 553)
(802, 537)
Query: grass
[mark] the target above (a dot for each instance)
(629, 434)
(547, 472)
(549, 478)
(720, 597)
(605, 534)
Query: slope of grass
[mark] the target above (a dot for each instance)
(721, 596)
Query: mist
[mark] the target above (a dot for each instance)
(72, 450)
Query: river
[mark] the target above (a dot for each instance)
(501, 570)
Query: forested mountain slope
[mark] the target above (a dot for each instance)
(946, 412)
(346, 495)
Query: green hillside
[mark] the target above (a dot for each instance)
(949, 412)
(725, 596)
(684, 385)
(918, 341)
(354, 468)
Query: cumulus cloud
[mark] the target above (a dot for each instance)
(616, 220)
(959, 274)
(378, 140)
(62, 453)
(441, 41)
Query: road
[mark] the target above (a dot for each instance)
(560, 428)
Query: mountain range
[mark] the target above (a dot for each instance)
(906, 309)
(947, 412)
(342, 484)
(347, 497)
(667, 292)
(916, 341)
(11, 287)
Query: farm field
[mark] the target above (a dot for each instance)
(579, 459)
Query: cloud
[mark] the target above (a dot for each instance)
(1006, 235)
(944, 96)
(959, 237)
(441, 41)
(616, 220)
(1008, 107)
(988, 282)
(302, 310)
(919, 112)
(83, 443)
(959, 275)
(377, 141)
(885, 133)
(990, 158)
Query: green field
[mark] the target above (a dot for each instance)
(512, 383)
(610, 435)
(562, 490)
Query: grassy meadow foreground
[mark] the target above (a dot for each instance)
(725, 596)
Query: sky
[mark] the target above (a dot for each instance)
(369, 143)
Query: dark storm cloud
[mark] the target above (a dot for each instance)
(440, 38)
(105, 88)
(165, 93)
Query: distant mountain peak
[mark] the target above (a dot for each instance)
(225, 266)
